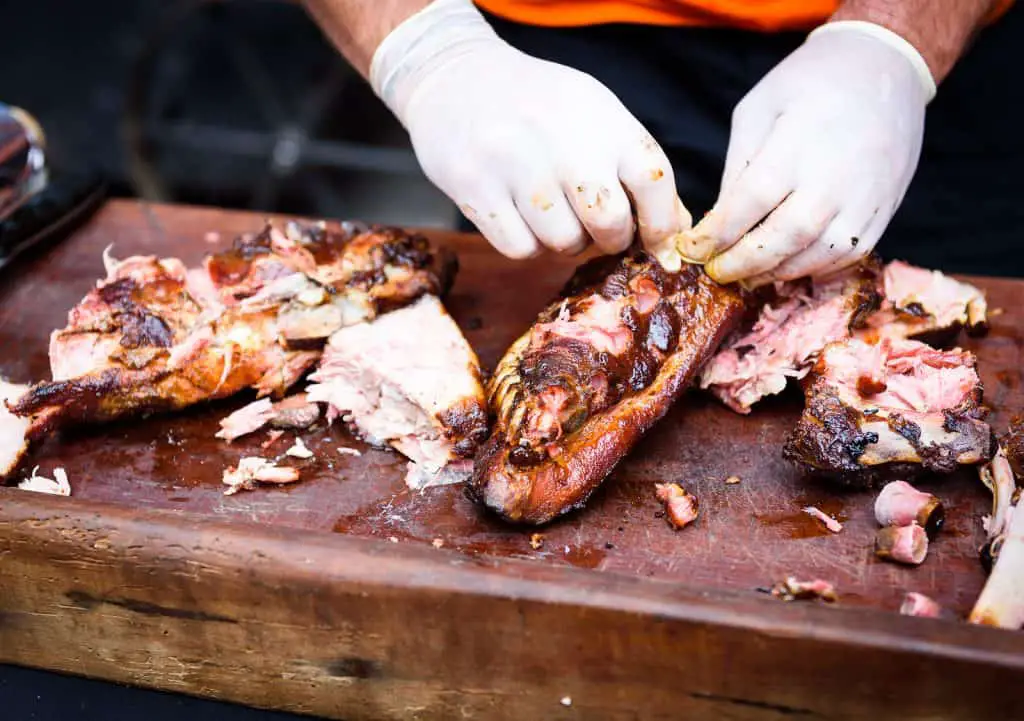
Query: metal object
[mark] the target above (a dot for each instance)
(22, 158)
(36, 204)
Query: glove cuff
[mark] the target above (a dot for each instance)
(893, 40)
(442, 30)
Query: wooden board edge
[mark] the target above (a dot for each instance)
(355, 628)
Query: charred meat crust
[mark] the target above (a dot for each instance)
(831, 438)
(1013, 444)
(538, 492)
(465, 425)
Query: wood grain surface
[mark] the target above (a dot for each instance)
(331, 596)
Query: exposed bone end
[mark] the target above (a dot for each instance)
(917, 604)
(902, 544)
(900, 504)
(1001, 602)
(681, 507)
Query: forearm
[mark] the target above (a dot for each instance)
(939, 29)
(357, 27)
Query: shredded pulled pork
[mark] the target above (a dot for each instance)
(919, 302)
(409, 380)
(252, 470)
(294, 412)
(783, 343)
(57, 486)
(829, 522)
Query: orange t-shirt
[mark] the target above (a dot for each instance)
(763, 15)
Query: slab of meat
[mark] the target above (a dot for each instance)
(601, 365)
(154, 336)
(409, 380)
(925, 305)
(874, 412)
(796, 321)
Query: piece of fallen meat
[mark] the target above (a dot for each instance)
(902, 544)
(900, 504)
(154, 336)
(409, 380)
(295, 412)
(600, 366)
(681, 506)
(57, 486)
(925, 305)
(252, 470)
(299, 450)
(792, 589)
(829, 522)
(795, 322)
(892, 409)
(917, 604)
(1001, 602)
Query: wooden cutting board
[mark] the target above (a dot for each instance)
(349, 596)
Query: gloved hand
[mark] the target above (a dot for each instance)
(532, 152)
(822, 150)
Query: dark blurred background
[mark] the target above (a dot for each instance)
(138, 90)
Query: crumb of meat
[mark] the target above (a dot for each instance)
(272, 437)
(536, 541)
(732, 480)
(996, 312)
(566, 701)
(792, 589)
(393, 539)
(251, 470)
(917, 604)
(830, 523)
(437, 543)
(212, 237)
(681, 507)
(57, 486)
(349, 451)
(299, 450)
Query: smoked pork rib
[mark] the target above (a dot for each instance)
(600, 366)
(153, 336)
(887, 410)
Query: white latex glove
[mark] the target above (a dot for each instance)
(822, 150)
(532, 152)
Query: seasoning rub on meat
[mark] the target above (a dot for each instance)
(600, 366)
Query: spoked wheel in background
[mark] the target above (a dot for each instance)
(246, 104)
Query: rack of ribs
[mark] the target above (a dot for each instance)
(599, 367)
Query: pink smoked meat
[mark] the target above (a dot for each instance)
(893, 408)
(900, 504)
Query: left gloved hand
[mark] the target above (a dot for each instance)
(822, 150)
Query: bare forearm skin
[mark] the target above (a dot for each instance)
(941, 30)
(357, 27)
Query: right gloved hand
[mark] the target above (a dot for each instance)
(532, 152)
